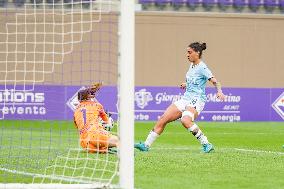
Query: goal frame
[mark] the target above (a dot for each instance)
(126, 93)
(126, 83)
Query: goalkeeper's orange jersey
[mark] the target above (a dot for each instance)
(87, 116)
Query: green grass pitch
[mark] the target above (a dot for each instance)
(247, 155)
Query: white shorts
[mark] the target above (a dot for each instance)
(196, 103)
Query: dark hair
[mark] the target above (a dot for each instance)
(83, 94)
(89, 92)
(198, 47)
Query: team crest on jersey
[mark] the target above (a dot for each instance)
(278, 105)
(142, 98)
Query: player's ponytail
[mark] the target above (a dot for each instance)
(203, 46)
(198, 47)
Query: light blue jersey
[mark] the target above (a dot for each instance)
(196, 78)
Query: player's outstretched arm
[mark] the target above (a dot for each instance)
(218, 86)
(182, 85)
(104, 115)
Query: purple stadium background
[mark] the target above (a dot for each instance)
(57, 102)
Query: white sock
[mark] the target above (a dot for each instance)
(151, 138)
(201, 137)
(194, 129)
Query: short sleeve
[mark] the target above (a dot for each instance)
(207, 73)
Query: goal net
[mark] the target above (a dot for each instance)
(49, 50)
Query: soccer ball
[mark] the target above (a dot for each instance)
(109, 125)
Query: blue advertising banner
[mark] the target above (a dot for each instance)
(241, 104)
(58, 103)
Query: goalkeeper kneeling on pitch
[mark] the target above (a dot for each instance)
(93, 123)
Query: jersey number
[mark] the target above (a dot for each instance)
(83, 110)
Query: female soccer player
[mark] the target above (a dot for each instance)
(87, 119)
(191, 104)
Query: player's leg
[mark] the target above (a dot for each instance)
(104, 141)
(172, 113)
(92, 147)
(88, 145)
(113, 141)
(97, 141)
(85, 143)
(187, 120)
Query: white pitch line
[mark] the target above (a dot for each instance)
(222, 149)
(179, 148)
(227, 133)
(259, 151)
(43, 176)
(30, 148)
(176, 148)
(231, 133)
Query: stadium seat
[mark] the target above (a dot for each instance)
(52, 1)
(254, 5)
(36, 2)
(163, 2)
(19, 3)
(281, 4)
(67, 3)
(270, 5)
(179, 3)
(86, 3)
(3, 3)
(146, 2)
(240, 3)
(189, 3)
(192, 3)
(72, 3)
(208, 4)
(223, 3)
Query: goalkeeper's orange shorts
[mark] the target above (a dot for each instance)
(95, 141)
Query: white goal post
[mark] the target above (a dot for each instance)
(126, 63)
(36, 38)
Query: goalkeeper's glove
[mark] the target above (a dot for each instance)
(109, 125)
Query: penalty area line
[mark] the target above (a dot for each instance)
(44, 176)
(174, 148)
(222, 149)
(259, 151)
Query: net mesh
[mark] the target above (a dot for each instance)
(48, 52)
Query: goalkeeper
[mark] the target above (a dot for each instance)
(90, 119)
